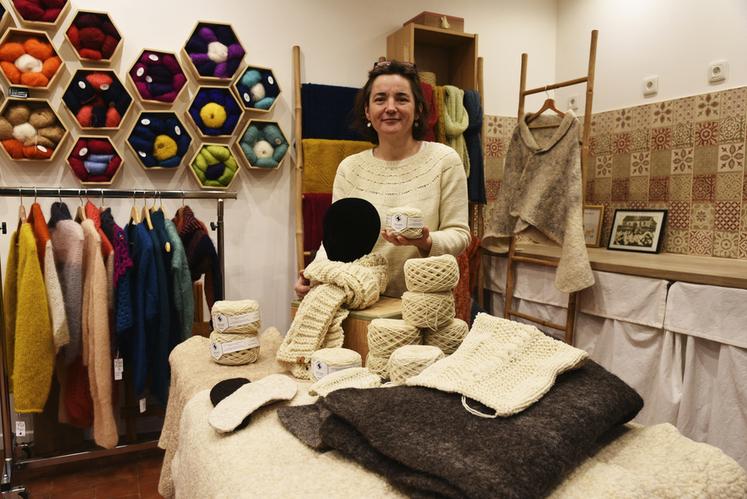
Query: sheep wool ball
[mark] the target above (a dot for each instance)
(164, 147)
(263, 149)
(213, 115)
(258, 91)
(23, 132)
(217, 52)
(28, 64)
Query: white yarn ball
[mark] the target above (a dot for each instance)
(258, 91)
(217, 52)
(24, 131)
(28, 64)
(263, 149)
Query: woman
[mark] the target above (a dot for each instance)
(403, 170)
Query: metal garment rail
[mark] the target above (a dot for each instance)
(6, 484)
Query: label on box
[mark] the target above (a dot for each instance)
(20, 428)
(142, 405)
(221, 321)
(320, 369)
(118, 369)
(218, 350)
(400, 222)
(19, 93)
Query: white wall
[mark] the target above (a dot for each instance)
(339, 40)
(675, 39)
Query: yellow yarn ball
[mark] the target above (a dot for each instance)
(213, 115)
(164, 147)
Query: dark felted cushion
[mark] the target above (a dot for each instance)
(351, 227)
(223, 389)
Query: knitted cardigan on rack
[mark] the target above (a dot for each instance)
(541, 193)
(169, 328)
(67, 241)
(122, 277)
(355, 285)
(201, 254)
(55, 300)
(107, 250)
(29, 344)
(456, 121)
(184, 299)
(96, 343)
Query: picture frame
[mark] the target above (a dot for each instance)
(638, 230)
(593, 217)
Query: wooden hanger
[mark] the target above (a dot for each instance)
(21, 209)
(134, 213)
(80, 213)
(156, 209)
(146, 214)
(548, 105)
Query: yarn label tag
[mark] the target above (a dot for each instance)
(20, 428)
(321, 369)
(142, 405)
(220, 349)
(400, 222)
(118, 368)
(19, 93)
(221, 321)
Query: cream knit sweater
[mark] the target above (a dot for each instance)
(432, 180)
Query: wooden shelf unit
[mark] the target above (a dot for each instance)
(451, 55)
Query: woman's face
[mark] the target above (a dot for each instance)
(391, 106)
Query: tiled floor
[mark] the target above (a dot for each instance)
(134, 478)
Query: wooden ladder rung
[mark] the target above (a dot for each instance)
(536, 261)
(560, 327)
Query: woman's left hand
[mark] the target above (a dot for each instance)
(424, 243)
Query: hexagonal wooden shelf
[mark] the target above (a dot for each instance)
(95, 160)
(94, 37)
(159, 141)
(5, 18)
(30, 47)
(208, 168)
(157, 77)
(96, 100)
(214, 113)
(213, 53)
(32, 14)
(35, 120)
(262, 145)
(257, 89)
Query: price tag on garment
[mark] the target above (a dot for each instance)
(118, 369)
(221, 321)
(20, 428)
(142, 405)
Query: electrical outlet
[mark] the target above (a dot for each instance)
(573, 102)
(718, 71)
(650, 85)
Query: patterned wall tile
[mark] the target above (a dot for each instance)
(731, 157)
(704, 187)
(734, 101)
(639, 139)
(638, 189)
(682, 134)
(676, 241)
(603, 123)
(641, 116)
(728, 186)
(726, 244)
(494, 147)
(727, 216)
(743, 245)
(682, 160)
(640, 164)
(705, 133)
(684, 110)
(679, 215)
(744, 218)
(637, 205)
(681, 187)
(705, 160)
(658, 189)
(731, 129)
(620, 189)
(707, 106)
(661, 163)
(701, 243)
(602, 190)
(662, 113)
(621, 165)
(623, 120)
(661, 139)
(702, 216)
(621, 143)
(603, 166)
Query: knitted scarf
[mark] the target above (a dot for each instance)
(439, 100)
(432, 118)
(473, 139)
(456, 120)
(317, 323)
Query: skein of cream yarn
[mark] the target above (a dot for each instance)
(405, 221)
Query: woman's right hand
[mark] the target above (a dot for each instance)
(302, 286)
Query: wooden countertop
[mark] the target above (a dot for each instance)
(698, 269)
(385, 308)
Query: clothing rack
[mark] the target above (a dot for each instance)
(508, 311)
(10, 462)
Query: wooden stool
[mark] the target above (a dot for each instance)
(356, 324)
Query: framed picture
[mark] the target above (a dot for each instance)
(638, 230)
(593, 216)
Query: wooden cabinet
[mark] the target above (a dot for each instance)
(451, 55)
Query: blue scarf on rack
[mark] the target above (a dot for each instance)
(473, 138)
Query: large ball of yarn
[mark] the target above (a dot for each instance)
(213, 115)
(217, 52)
(28, 64)
(164, 147)
(215, 111)
(24, 131)
(433, 274)
(410, 360)
(427, 310)
(263, 149)
(214, 50)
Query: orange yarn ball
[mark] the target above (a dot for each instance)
(11, 71)
(11, 51)
(35, 152)
(34, 80)
(14, 148)
(50, 66)
(40, 50)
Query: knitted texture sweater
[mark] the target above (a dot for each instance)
(356, 285)
(432, 180)
(29, 342)
(168, 329)
(121, 278)
(184, 300)
(541, 194)
(67, 241)
(456, 121)
(96, 342)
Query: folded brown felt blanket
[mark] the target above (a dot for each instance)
(424, 441)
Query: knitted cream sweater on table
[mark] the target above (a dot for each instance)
(432, 180)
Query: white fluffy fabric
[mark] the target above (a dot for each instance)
(28, 64)
(217, 52)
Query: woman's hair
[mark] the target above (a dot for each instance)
(408, 71)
